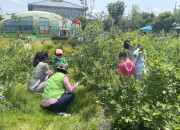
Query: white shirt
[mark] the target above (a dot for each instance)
(138, 61)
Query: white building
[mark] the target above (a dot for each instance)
(63, 8)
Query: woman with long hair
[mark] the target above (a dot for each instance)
(40, 73)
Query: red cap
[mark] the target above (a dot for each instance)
(58, 52)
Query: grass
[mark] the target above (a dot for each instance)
(23, 112)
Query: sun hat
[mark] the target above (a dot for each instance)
(63, 66)
(58, 52)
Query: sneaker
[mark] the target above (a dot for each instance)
(64, 114)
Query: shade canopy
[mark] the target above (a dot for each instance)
(146, 28)
(176, 28)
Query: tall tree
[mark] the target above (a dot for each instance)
(16, 18)
(176, 15)
(147, 18)
(0, 17)
(136, 18)
(1, 13)
(164, 21)
(88, 6)
(116, 10)
(108, 23)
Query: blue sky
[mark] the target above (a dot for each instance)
(156, 6)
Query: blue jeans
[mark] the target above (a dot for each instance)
(62, 104)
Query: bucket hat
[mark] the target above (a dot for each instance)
(63, 66)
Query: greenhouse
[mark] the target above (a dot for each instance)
(39, 23)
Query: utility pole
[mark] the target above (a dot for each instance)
(175, 6)
(84, 4)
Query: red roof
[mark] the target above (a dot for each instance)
(76, 21)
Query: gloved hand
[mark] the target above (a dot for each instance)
(78, 82)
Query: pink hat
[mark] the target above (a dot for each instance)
(58, 52)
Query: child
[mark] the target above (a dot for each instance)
(59, 59)
(139, 60)
(126, 67)
(55, 98)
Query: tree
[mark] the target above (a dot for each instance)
(108, 23)
(147, 18)
(164, 21)
(86, 7)
(1, 17)
(116, 10)
(1, 24)
(176, 15)
(16, 18)
(136, 18)
(101, 15)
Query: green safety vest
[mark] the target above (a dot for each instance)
(54, 87)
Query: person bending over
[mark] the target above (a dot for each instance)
(40, 73)
(58, 93)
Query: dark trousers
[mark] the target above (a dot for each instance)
(62, 104)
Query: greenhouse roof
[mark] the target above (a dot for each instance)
(56, 3)
(40, 14)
